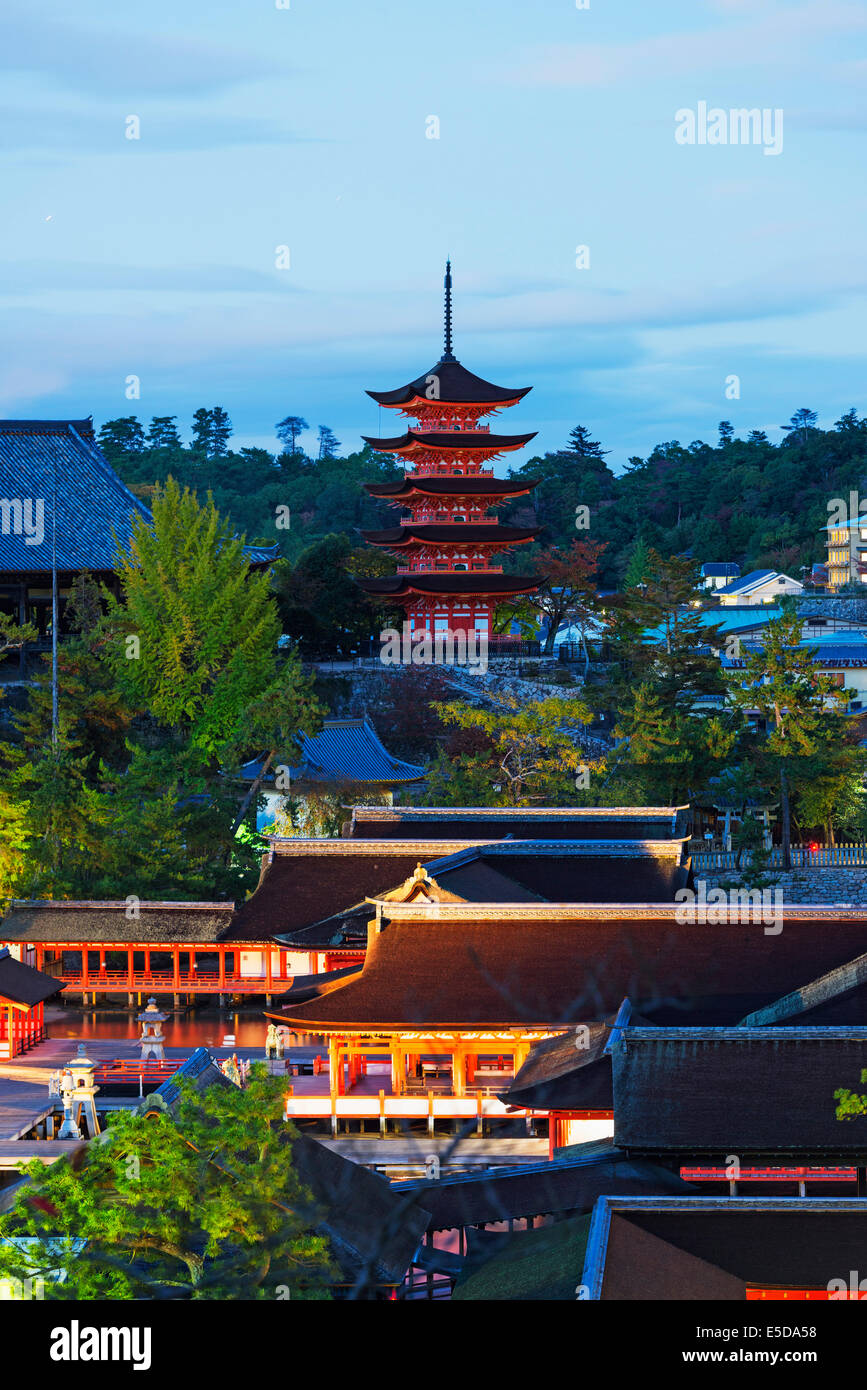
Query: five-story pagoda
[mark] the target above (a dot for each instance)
(449, 543)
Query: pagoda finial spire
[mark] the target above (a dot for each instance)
(448, 355)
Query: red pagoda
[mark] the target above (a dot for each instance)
(448, 541)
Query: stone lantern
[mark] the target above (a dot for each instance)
(78, 1091)
(152, 1037)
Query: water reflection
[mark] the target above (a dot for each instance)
(204, 1028)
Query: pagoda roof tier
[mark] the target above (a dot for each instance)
(450, 487)
(456, 386)
(456, 534)
(464, 582)
(456, 441)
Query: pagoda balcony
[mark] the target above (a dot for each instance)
(433, 519)
(428, 426)
(448, 470)
(431, 569)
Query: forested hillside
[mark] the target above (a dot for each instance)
(749, 500)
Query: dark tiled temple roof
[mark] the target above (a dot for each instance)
(555, 965)
(306, 883)
(738, 1090)
(466, 582)
(43, 458)
(305, 987)
(345, 750)
(21, 984)
(452, 487)
(566, 871)
(76, 922)
(507, 871)
(455, 385)
(456, 534)
(569, 1183)
(522, 823)
(572, 1071)
(714, 1247)
(838, 997)
(366, 1220)
(415, 441)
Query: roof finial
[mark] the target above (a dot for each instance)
(448, 355)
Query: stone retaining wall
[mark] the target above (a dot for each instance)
(802, 885)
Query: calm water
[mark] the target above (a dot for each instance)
(199, 1029)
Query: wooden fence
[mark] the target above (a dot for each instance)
(802, 857)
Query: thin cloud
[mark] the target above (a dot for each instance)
(112, 62)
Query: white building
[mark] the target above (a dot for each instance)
(759, 586)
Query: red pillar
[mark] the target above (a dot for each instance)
(129, 967)
(222, 954)
(176, 965)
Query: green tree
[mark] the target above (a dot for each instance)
(163, 433)
(801, 711)
(639, 565)
(328, 443)
(201, 1204)
(121, 437)
(526, 748)
(288, 430)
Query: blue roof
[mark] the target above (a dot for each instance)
(346, 750)
(41, 460)
(731, 619)
(44, 459)
(747, 581)
(720, 571)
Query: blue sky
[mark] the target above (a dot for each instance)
(306, 127)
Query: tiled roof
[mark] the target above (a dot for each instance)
(44, 459)
(554, 965)
(569, 1183)
(21, 984)
(709, 1248)
(75, 922)
(455, 383)
(519, 823)
(346, 750)
(738, 1090)
(714, 571)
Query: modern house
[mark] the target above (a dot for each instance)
(759, 586)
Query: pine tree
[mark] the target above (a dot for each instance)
(288, 430)
(204, 1203)
(163, 433)
(639, 565)
(328, 443)
(221, 432)
(121, 437)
